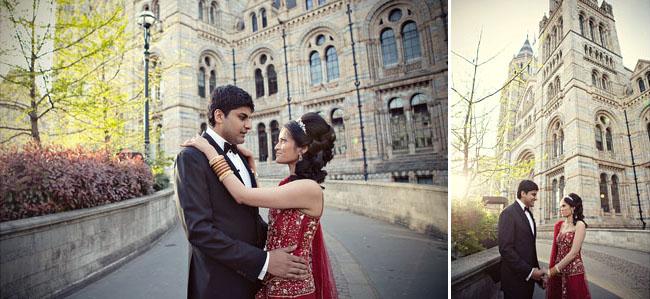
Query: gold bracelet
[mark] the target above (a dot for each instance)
(225, 175)
(219, 164)
(214, 160)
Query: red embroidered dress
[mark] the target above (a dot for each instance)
(571, 282)
(292, 227)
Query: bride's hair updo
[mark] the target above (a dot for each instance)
(575, 201)
(313, 131)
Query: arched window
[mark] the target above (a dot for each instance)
(213, 81)
(557, 85)
(594, 78)
(601, 32)
(272, 78)
(309, 4)
(605, 82)
(604, 198)
(259, 83)
(647, 77)
(557, 139)
(201, 10)
(262, 142)
(332, 62)
(315, 68)
(421, 121)
(276, 3)
(213, 13)
(254, 22)
(410, 41)
(582, 24)
(263, 15)
(648, 129)
(291, 4)
(591, 30)
(388, 47)
(608, 139)
(641, 85)
(321, 2)
(598, 131)
(398, 124)
(275, 133)
(616, 201)
(201, 79)
(554, 198)
(339, 130)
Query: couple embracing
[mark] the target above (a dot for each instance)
(520, 268)
(233, 252)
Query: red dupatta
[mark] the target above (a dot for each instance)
(554, 284)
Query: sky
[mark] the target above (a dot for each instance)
(505, 25)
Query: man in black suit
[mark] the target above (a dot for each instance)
(516, 236)
(227, 259)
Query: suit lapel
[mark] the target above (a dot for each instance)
(221, 152)
(523, 217)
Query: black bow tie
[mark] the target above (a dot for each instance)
(227, 147)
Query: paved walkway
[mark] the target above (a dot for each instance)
(370, 259)
(611, 272)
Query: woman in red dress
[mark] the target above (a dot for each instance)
(295, 206)
(566, 269)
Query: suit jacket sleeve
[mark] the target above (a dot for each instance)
(193, 195)
(506, 238)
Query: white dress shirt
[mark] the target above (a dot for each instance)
(246, 178)
(532, 228)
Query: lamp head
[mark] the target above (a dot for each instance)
(146, 19)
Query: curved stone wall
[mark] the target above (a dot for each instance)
(48, 256)
(421, 208)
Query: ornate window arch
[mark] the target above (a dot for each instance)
(421, 121)
(605, 82)
(399, 135)
(604, 128)
(337, 121)
(264, 73)
(322, 55)
(207, 71)
(595, 76)
(557, 138)
(591, 29)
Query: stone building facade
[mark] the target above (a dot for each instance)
(302, 51)
(570, 113)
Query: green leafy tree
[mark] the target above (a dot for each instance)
(39, 39)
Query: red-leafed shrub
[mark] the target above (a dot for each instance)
(37, 181)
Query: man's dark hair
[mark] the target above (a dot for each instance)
(227, 98)
(526, 186)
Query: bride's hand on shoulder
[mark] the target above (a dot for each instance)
(201, 144)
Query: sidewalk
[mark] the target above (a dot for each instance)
(370, 259)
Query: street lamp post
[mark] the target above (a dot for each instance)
(146, 19)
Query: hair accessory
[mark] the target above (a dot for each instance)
(302, 125)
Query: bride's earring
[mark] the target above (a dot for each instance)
(299, 157)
